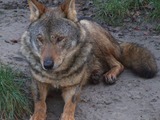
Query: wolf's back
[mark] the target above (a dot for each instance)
(140, 60)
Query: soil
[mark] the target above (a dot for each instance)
(131, 98)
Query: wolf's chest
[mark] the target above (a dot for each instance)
(61, 80)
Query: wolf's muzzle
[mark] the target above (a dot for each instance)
(48, 63)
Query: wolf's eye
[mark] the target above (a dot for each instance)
(59, 39)
(40, 38)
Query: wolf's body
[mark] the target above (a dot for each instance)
(65, 53)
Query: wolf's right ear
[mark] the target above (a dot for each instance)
(36, 9)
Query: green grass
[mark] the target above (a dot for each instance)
(14, 103)
(156, 12)
(114, 12)
(110, 11)
(157, 28)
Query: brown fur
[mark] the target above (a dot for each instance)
(64, 53)
(142, 62)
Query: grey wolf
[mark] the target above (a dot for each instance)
(65, 53)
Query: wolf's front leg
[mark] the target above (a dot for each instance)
(39, 91)
(116, 68)
(71, 97)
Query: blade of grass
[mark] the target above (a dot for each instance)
(13, 101)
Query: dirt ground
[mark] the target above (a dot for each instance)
(131, 98)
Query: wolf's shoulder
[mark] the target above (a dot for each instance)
(89, 24)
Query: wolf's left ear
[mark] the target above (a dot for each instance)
(36, 9)
(68, 7)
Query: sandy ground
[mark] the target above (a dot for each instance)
(131, 98)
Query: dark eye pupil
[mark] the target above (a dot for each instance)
(59, 39)
(39, 38)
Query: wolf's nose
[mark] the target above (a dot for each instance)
(48, 64)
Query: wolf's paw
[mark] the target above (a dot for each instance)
(109, 78)
(38, 117)
(67, 117)
(95, 77)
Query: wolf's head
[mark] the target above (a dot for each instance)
(54, 32)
